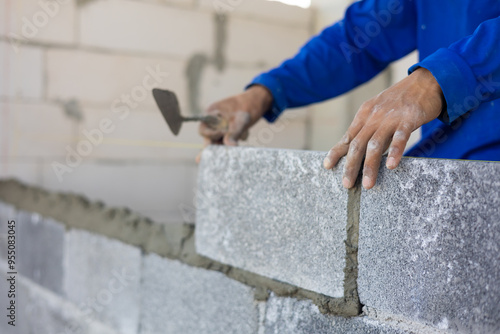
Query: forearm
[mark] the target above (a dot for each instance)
(336, 61)
(468, 71)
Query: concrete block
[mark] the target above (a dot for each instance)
(263, 43)
(120, 83)
(161, 191)
(262, 10)
(36, 130)
(47, 21)
(39, 310)
(428, 244)
(177, 298)
(147, 27)
(293, 316)
(152, 140)
(39, 250)
(295, 234)
(102, 277)
(18, 64)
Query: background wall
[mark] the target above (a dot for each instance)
(76, 111)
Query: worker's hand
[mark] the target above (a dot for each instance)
(386, 120)
(241, 112)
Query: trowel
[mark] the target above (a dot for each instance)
(169, 107)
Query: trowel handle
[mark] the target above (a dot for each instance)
(216, 122)
(213, 122)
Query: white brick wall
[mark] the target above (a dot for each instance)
(262, 10)
(97, 53)
(100, 78)
(141, 135)
(36, 130)
(125, 25)
(51, 21)
(21, 71)
(158, 190)
(263, 43)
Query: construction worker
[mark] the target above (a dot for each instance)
(452, 92)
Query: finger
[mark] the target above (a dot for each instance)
(357, 149)
(376, 147)
(342, 147)
(359, 121)
(333, 156)
(206, 142)
(215, 135)
(398, 145)
(237, 126)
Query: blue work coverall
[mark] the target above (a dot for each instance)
(457, 40)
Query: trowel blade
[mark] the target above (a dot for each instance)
(169, 107)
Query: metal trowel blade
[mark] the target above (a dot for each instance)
(169, 107)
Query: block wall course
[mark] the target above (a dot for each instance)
(102, 276)
(177, 298)
(39, 250)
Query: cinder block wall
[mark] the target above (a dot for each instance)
(279, 247)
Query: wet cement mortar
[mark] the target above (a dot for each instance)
(176, 241)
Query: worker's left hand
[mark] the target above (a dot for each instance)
(386, 120)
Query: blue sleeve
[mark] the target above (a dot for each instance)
(468, 71)
(372, 34)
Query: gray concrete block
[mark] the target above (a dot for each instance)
(40, 247)
(177, 298)
(276, 213)
(102, 277)
(40, 311)
(430, 242)
(292, 316)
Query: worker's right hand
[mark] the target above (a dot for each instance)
(241, 112)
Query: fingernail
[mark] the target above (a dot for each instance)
(327, 162)
(366, 181)
(346, 183)
(391, 163)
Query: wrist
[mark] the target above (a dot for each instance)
(432, 88)
(260, 100)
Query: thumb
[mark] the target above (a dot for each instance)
(237, 126)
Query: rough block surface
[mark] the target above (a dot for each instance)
(277, 213)
(292, 316)
(102, 277)
(40, 247)
(39, 310)
(177, 298)
(429, 244)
